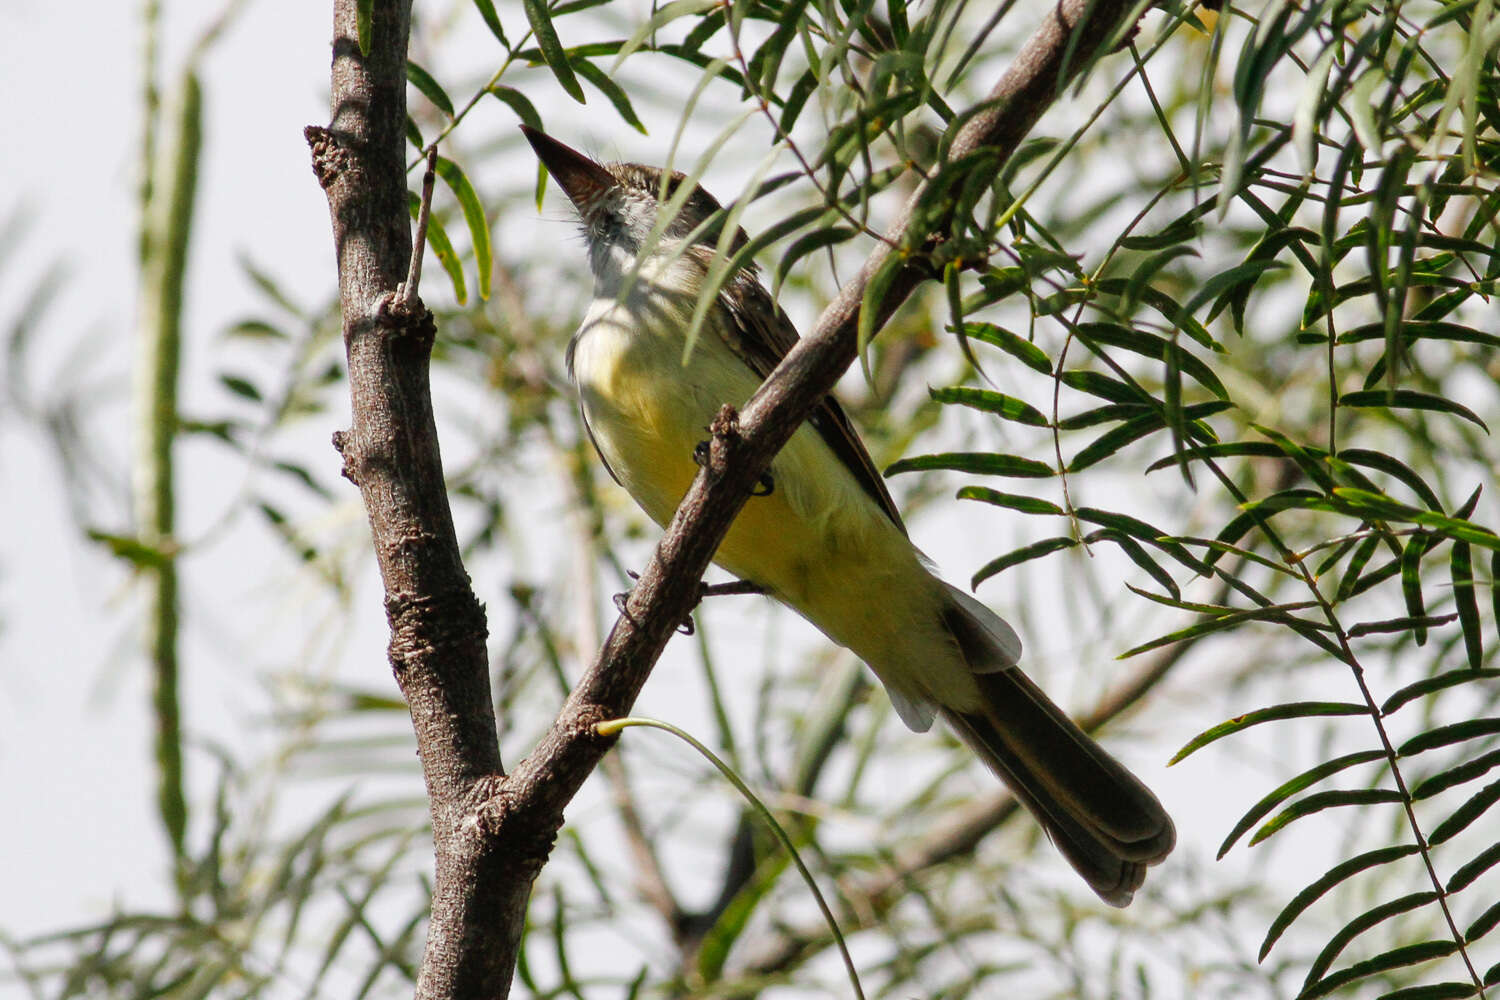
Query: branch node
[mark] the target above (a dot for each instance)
(405, 316)
(343, 444)
(423, 626)
(329, 158)
(724, 440)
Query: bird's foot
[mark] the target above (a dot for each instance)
(764, 486)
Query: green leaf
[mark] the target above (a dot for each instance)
(552, 49)
(1132, 430)
(1391, 466)
(424, 82)
(1300, 783)
(363, 23)
(991, 402)
(1226, 449)
(1318, 801)
(1290, 710)
(1013, 501)
(1409, 399)
(1024, 554)
(611, 91)
(1359, 925)
(519, 103)
(1477, 805)
(978, 463)
(1456, 775)
(1138, 555)
(811, 242)
(874, 297)
(1016, 346)
(1400, 625)
(492, 20)
(1461, 569)
(257, 329)
(242, 387)
(1097, 384)
(1236, 280)
(1472, 869)
(1338, 873)
(1397, 958)
(1149, 345)
(661, 16)
(1483, 924)
(479, 229)
(1381, 506)
(133, 550)
(1447, 735)
(1432, 991)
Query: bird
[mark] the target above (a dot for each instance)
(823, 535)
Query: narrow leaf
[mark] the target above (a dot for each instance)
(1396, 958)
(1291, 710)
(1471, 870)
(1358, 926)
(1025, 504)
(978, 463)
(1331, 878)
(428, 86)
(1476, 806)
(1015, 345)
(1024, 554)
(1461, 568)
(479, 229)
(1456, 775)
(1285, 791)
(492, 20)
(1318, 801)
(1409, 399)
(1448, 735)
(552, 49)
(991, 402)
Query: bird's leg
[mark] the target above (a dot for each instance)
(622, 599)
(732, 587)
(764, 486)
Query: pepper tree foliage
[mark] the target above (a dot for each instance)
(1212, 359)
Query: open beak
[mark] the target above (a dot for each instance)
(582, 180)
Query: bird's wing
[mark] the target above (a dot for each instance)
(761, 335)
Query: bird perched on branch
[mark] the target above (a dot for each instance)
(823, 535)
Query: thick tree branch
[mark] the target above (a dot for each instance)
(437, 647)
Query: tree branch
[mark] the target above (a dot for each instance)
(437, 646)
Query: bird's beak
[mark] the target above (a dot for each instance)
(583, 180)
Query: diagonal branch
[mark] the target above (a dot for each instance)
(529, 804)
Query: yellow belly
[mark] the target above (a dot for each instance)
(818, 542)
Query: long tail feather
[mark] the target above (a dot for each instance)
(1104, 820)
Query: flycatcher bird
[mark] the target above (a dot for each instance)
(825, 538)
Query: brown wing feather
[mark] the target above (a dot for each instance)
(761, 335)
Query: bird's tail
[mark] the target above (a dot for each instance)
(1104, 820)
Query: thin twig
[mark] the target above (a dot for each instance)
(406, 294)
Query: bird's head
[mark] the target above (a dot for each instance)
(619, 205)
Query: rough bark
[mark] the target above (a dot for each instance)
(437, 645)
